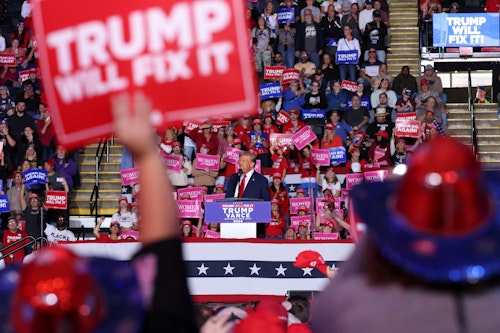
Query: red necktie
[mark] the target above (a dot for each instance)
(242, 186)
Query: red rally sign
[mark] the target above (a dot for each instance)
(56, 200)
(181, 54)
(407, 128)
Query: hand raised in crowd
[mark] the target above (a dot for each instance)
(219, 324)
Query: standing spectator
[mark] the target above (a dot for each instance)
(268, 126)
(329, 70)
(124, 216)
(375, 36)
(275, 229)
(315, 99)
(259, 141)
(243, 129)
(352, 19)
(17, 123)
(14, 194)
(286, 43)
(295, 123)
(404, 80)
(332, 30)
(341, 128)
(366, 16)
(46, 133)
(262, 40)
(271, 18)
(434, 82)
(6, 101)
(357, 116)
(337, 98)
(206, 137)
(65, 165)
(204, 177)
(329, 183)
(32, 214)
(293, 97)
(331, 139)
(348, 43)
(279, 192)
(228, 169)
(280, 162)
(309, 38)
(381, 123)
(379, 150)
(21, 35)
(315, 12)
(180, 179)
(307, 170)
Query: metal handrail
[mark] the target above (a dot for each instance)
(99, 154)
(32, 239)
(470, 107)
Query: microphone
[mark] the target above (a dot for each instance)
(240, 172)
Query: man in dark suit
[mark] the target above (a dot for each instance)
(253, 184)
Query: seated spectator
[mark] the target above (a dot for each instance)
(433, 81)
(306, 68)
(294, 124)
(268, 126)
(275, 229)
(370, 68)
(425, 93)
(290, 233)
(259, 141)
(300, 193)
(10, 236)
(374, 36)
(124, 216)
(492, 6)
(279, 192)
(429, 129)
(380, 150)
(204, 177)
(481, 96)
(382, 103)
(384, 88)
(382, 123)
(114, 231)
(293, 96)
(329, 70)
(405, 103)
(31, 99)
(331, 139)
(6, 101)
(330, 185)
(318, 77)
(30, 140)
(357, 116)
(300, 312)
(404, 80)
(219, 189)
(59, 232)
(315, 99)
(382, 74)
(363, 92)
(243, 129)
(384, 16)
(180, 179)
(229, 136)
(303, 231)
(187, 229)
(307, 170)
(341, 128)
(351, 19)
(337, 98)
(228, 169)
(430, 106)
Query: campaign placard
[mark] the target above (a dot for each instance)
(358, 138)
(218, 124)
(4, 203)
(33, 178)
(313, 114)
(320, 156)
(326, 235)
(406, 115)
(207, 162)
(364, 102)
(281, 139)
(162, 48)
(338, 155)
(238, 212)
(8, 59)
(466, 29)
(290, 75)
(173, 163)
(190, 126)
(211, 234)
(353, 179)
(258, 167)
(349, 85)
(189, 208)
(286, 15)
(303, 136)
(213, 197)
(56, 200)
(129, 176)
(376, 176)
(296, 220)
(349, 57)
(194, 193)
(295, 203)
(282, 117)
(270, 90)
(407, 128)
(232, 155)
(273, 72)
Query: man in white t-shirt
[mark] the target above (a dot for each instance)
(60, 232)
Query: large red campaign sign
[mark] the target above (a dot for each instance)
(168, 49)
(56, 200)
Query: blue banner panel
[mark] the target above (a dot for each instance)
(238, 212)
(270, 90)
(468, 29)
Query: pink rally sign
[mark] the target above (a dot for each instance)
(320, 156)
(195, 193)
(211, 234)
(302, 137)
(326, 235)
(207, 162)
(232, 155)
(295, 203)
(213, 197)
(353, 179)
(296, 220)
(376, 176)
(173, 163)
(189, 208)
(130, 176)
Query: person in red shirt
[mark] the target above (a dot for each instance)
(268, 126)
(331, 140)
(280, 193)
(355, 158)
(114, 231)
(276, 227)
(280, 162)
(243, 129)
(307, 171)
(379, 150)
(294, 124)
(228, 169)
(187, 229)
(10, 236)
(205, 137)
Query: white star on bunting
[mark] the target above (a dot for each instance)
(307, 271)
(280, 270)
(254, 269)
(202, 269)
(228, 269)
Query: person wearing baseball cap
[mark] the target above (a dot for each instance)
(35, 224)
(206, 137)
(434, 82)
(330, 138)
(294, 124)
(124, 216)
(379, 151)
(10, 236)
(276, 228)
(279, 192)
(280, 162)
(430, 251)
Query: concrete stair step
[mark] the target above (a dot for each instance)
(90, 158)
(85, 211)
(103, 194)
(105, 166)
(105, 184)
(103, 175)
(493, 156)
(113, 149)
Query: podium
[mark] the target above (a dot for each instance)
(238, 218)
